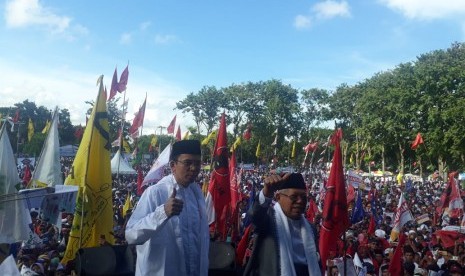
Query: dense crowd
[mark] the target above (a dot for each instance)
(434, 241)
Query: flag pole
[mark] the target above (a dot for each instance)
(123, 118)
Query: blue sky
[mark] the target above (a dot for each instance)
(52, 52)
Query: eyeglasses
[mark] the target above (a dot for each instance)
(190, 163)
(294, 198)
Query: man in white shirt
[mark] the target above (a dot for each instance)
(169, 223)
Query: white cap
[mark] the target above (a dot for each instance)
(380, 233)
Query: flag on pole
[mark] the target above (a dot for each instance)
(14, 216)
(178, 133)
(210, 136)
(186, 135)
(311, 147)
(358, 213)
(293, 150)
(114, 85)
(170, 128)
(418, 141)
(248, 133)
(123, 79)
(91, 172)
(219, 195)
(46, 127)
(234, 187)
(127, 205)
(138, 120)
(403, 215)
(258, 151)
(48, 170)
(236, 144)
(335, 216)
(157, 171)
(30, 130)
(395, 266)
(450, 197)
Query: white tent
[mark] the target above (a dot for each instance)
(120, 165)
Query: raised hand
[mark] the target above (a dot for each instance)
(273, 182)
(173, 206)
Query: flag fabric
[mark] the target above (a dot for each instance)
(242, 246)
(335, 219)
(395, 266)
(403, 215)
(91, 172)
(312, 211)
(248, 133)
(48, 169)
(418, 141)
(293, 150)
(178, 133)
(127, 205)
(258, 151)
(311, 147)
(123, 79)
(186, 135)
(350, 193)
(30, 130)
(46, 127)
(8, 267)
(14, 215)
(170, 128)
(138, 120)
(158, 168)
(16, 117)
(210, 136)
(450, 197)
(236, 144)
(126, 147)
(234, 183)
(358, 213)
(114, 85)
(219, 194)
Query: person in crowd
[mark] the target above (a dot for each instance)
(169, 224)
(285, 242)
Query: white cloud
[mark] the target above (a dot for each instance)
(126, 38)
(329, 9)
(302, 22)
(426, 10)
(165, 39)
(24, 13)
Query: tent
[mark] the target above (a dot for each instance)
(120, 165)
(68, 150)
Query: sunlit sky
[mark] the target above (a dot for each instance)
(52, 52)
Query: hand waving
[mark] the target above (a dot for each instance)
(173, 206)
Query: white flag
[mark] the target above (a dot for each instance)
(157, 171)
(48, 170)
(403, 215)
(8, 267)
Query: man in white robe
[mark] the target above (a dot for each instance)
(169, 223)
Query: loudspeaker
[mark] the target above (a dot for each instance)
(105, 260)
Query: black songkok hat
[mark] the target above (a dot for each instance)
(295, 181)
(185, 147)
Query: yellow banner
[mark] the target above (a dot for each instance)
(91, 171)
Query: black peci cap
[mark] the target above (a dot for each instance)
(185, 147)
(295, 181)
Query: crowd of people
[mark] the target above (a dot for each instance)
(433, 243)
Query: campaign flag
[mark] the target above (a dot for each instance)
(138, 120)
(311, 147)
(14, 215)
(47, 172)
(248, 133)
(236, 144)
(123, 79)
(178, 133)
(158, 168)
(395, 266)
(170, 128)
(418, 141)
(258, 151)
(46, 127)
(210, 136)
(354, 179)
(450, 197)
(358, 213)
(114, 85)
(91, 172)
(403, 215)
(30, 130)
(219, 194)
(335, 216)
(233, 180)
(127, 205)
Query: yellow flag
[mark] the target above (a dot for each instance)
(258, 152)
(236, 144)
(46, 127)
(30, 130)
(293, 150)
(91, 172)
(186, 135)
(154, 141)
(126, 146)
(209, 137)
(127, 205)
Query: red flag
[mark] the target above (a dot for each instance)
(395, 266)
(27, 175)
(178, 133)
(350, 193)
(418, 141)
(123, 79)
(449, 238)
(140, 178)
(242, 246)
(372, 225)
(16, 117)
(248, 133)
(234, 187)
(219, 194)
(311, 147)
(138, 119)
(312, 211)
(170, 128)
(114, 85)
(78, 132)
(450, 196)
(335, 216)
